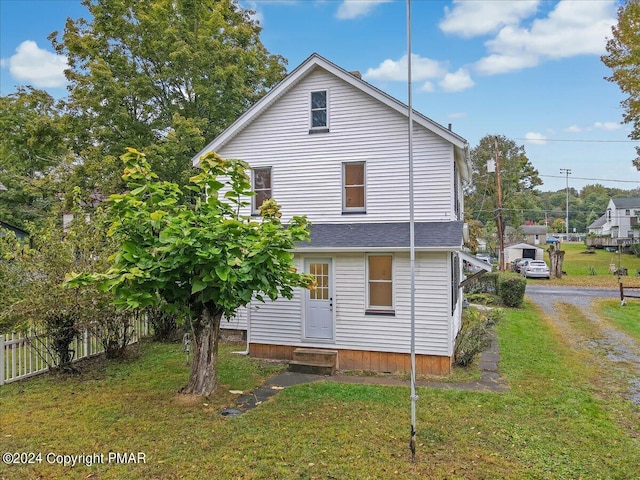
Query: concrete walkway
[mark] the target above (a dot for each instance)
(490, 381)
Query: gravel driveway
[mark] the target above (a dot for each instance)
(621, 353)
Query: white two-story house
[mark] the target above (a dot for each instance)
(326, 144)
(620, 220)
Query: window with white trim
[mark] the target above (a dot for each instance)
(380, 283)
(353, 187)
(455, 281)
(319, 110)
(261, 179)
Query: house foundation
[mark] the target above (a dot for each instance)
(382, 362)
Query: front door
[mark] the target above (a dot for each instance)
(319, 301)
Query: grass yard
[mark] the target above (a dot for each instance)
(577, 263)
(625, 318)
(550, 425)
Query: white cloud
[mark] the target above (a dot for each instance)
(456, 82)
(607, 126)
(396, 70)
(349, 9)
(571, 28)
(457, 115)
(38, 67)
(427, 87)
(470, 19)
(535, 138)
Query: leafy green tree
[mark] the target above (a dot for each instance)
(33, 277)
(624, 61)
(519, 180)
(32, 147)
(162, 75)
(198, 258)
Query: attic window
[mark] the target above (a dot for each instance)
(319, 111)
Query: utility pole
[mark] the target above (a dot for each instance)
(500, 224)
(567, 172)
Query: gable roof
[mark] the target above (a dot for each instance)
(626, 202)
(394, 236)
(534, 229)
(523, 246)
(20, 233)
(599, 222)
(461, 146)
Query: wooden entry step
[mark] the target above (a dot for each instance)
(314, 360)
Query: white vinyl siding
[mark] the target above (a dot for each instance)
(309, 180)
(279, 323)
(237, 322)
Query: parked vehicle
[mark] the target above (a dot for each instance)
(520, 264)
(536, 269)
(485, 257)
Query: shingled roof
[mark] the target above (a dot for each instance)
(626, 202)
(354, 236)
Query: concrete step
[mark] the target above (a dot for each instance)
(313, 368)
(314, 360)
(315, 355)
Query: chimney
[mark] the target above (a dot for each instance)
(356, 74)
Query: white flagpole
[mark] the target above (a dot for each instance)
(412, 247)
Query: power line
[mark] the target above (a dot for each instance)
(542, 140)
(595, 179)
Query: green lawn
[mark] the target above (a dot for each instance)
(626, 318)
(550, 425)
(577, 263)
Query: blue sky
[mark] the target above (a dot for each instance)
(529, 70)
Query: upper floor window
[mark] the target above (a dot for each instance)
(609, 214)
(627, 212)
(353, 187)
(319, 110)
(261, 178)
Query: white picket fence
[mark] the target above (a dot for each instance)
(22, 356)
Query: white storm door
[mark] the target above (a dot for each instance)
(319, 301)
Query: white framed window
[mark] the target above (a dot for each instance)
(380, 293)
(319, 113)
(353, 187)
(261, 181)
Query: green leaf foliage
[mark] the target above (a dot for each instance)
(197, 253)
(623, 59)
(162, 75)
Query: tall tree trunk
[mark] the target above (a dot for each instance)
(556, 257)
(203, 378)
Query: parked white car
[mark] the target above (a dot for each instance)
(536, 269)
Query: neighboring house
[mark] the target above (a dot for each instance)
(535, 234)
(20, 233)
(597, 227)
(522, 250)
(622, 218)
(330, 146)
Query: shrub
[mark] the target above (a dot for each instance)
(473, 337)
(487, 283)
(511, 287)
